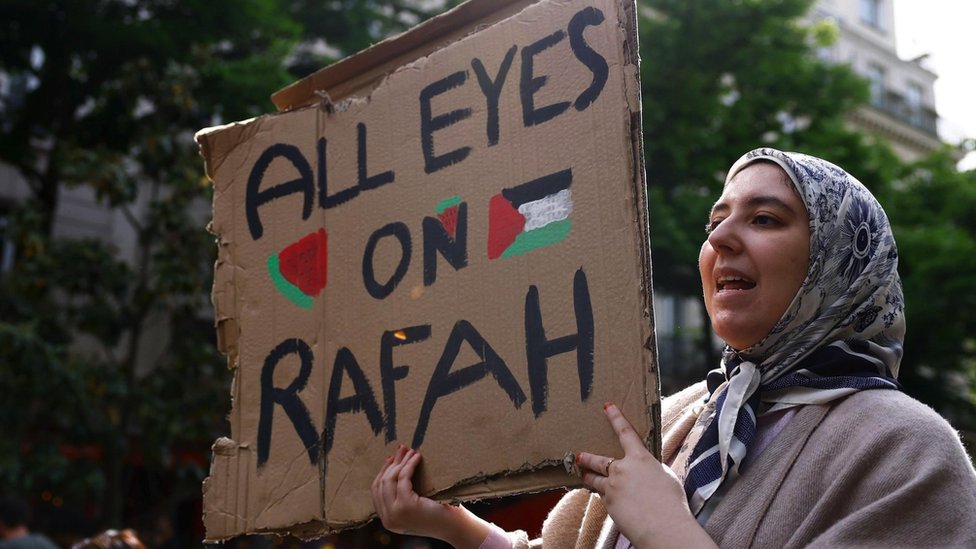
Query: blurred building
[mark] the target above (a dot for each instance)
(902, 106)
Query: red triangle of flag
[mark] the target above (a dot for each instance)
(504, 224)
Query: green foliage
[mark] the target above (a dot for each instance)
(347, 26)
(717, 81)
(930, 208)
(107, 95)
(721, 78)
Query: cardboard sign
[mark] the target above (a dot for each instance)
(449, 251)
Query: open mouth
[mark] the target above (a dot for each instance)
(729, 283)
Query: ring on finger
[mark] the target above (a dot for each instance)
(609, 463)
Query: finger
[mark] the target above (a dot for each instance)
(400, 453)
(389, 481)
(410, 464)
(405, 483)
(395, 484)
(629, 440)
(596, 483)
(593, 462)
(379, 496)
(394, 468)
(379, 476)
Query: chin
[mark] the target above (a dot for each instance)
(734, 337)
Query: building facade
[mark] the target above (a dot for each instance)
(902, 106)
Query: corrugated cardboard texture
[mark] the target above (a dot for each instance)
(454, 256)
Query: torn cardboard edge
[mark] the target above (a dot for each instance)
(542, 477)
(631, 49)
(534, 479)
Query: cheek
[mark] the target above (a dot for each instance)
(801, 255)
(706, 260)
(706, 263)
(800, 266)
(793, 269)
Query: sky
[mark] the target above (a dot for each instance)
(946, 29)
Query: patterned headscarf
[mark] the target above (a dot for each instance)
(842, 333)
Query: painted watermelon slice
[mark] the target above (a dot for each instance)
(449, 219)
(300, 270)
(447, 212)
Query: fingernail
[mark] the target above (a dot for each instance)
(578, 457)
(607, 405)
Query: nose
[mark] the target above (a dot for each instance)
(724, 238)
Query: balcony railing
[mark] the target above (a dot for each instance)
(894, 104)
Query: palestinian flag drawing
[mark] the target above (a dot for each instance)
(299, 271)
(530, 215)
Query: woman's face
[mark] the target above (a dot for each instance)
(756, 255)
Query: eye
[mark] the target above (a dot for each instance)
(763, 219)
(711, 225)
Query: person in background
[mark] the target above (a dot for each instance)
(802, 437)
(111, 539)
(14, 532)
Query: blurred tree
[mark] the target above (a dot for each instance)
(717, 81)
(107, 94)
(333, 30)
(931, 207)
(108, 356)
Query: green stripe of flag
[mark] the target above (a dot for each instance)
(288, 289)
(537, 238)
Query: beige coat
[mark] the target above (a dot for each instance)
(875, 469)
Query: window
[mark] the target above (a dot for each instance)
(871, 13)
(876, 76)
(913, 100)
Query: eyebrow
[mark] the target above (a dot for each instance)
(753, 202)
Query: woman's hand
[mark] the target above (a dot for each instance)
(402, 510)
(643, 496)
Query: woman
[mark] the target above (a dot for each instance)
(802, 437)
